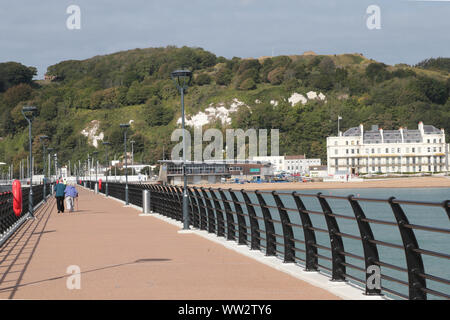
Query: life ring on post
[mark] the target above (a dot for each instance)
(17, 197)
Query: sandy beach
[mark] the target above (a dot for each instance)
(416, 182)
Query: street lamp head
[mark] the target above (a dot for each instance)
(106, 143)
(124, 125)
(42, 138)
(182, 78)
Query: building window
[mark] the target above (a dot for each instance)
(373, 150)
(398, 150)
(413, 150)
(346, 151)
(353, 151)
(336, 151)
(434, 140)
(335, 143)
(387, 150)
(346, 143)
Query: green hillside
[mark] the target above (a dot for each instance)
(136, 85)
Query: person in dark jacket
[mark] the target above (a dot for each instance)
(60, 187)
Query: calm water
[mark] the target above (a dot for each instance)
(434, 217)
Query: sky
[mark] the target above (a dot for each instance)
(35, 33)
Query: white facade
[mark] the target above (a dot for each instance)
(290, 164)
(388, 151)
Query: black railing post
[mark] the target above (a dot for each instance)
(370, 249)
(177, 203)
(268, 224)
(288, 233)
(211, 218)
(194, 209)
(231, 231)
(446, 204)
(308, 233)
(201, 208)
(337, 245)
(219, 214)
(242, 232)
(414, 261)
(255, 243)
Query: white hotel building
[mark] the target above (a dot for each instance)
(297, 164)
(388, 151)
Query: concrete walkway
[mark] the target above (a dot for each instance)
(124, 256)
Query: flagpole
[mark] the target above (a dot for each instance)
(339, 118)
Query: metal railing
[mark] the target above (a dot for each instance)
(349, 238)
(9, 222)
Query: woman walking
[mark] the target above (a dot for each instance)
(71, 193)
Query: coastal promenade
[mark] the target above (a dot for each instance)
(122, 255)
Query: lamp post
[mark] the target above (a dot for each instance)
(89, 170)
(182, 79)
(29, 113)
(132, 152)
(125, 126)
(49, 151)
(43, 140)
(106, 144)
(93, 158)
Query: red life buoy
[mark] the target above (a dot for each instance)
(100, 184)
(17, 197)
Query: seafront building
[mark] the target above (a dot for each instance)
(213, 171)
(295, 164)
(357, 151)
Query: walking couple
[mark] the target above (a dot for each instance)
(69, 192)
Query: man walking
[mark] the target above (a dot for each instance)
(60, 187)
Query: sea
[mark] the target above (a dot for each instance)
(419, 215)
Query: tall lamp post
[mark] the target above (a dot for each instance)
(49, 151)
(29, 112)
(94, 158)
(106, 144)
(43, 140)
(132, 152)
(182, 79)
(125, 126)
(89, 169)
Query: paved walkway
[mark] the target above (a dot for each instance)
(124, 256)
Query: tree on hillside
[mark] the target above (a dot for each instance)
(13, 73)
(156, 114)
(202, 79)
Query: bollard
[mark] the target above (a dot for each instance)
(96, 188)
(146, 209)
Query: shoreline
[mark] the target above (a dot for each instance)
(414, 182)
